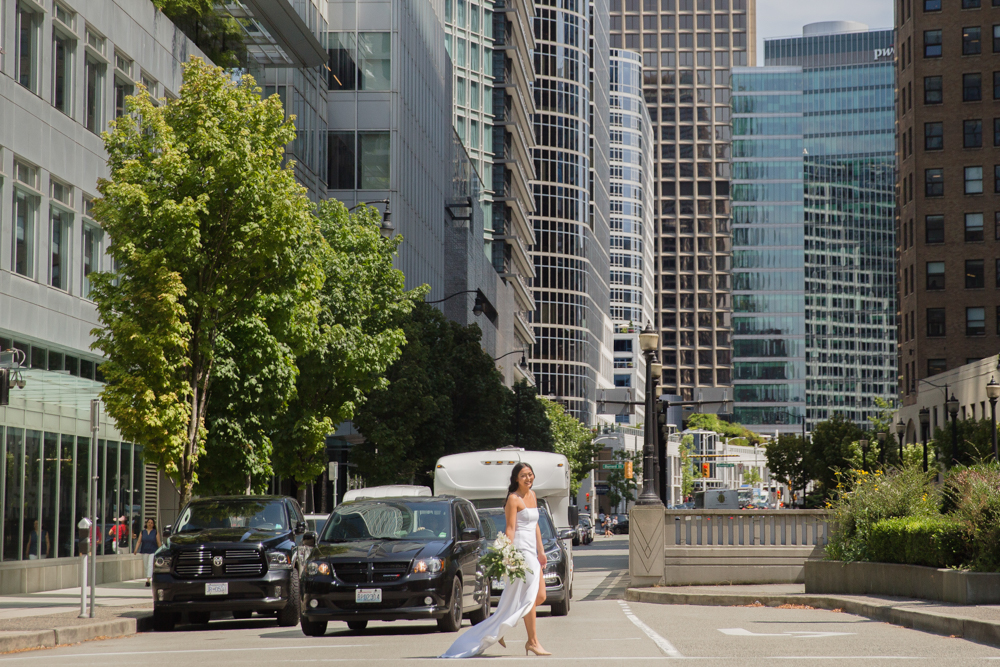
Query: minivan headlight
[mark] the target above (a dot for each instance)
(553, 556)
(317, 567)
(161, 564)
(428, 565)
(279, 560)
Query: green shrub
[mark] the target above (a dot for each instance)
(934, 541)
(973, 497)
(862, 499)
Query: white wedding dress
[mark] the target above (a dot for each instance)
(517, 599)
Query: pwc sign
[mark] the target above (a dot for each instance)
(887, 52)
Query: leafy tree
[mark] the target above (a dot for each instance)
(621, 487)
(751, 476)
(788, 459)
(688, 469)
(528, 423)
(362, 305)
(218, 35)
(882, 422)
(834, 447)
(205, 227)
(573, 440)
(442, 398)
(975, 442)
(711, 422)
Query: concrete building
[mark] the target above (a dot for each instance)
(571, 357)
(813, 201)
(688, 49)
(632, 200)
(948, 122)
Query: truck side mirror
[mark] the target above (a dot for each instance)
(309, 538)
(300, 527)
(166, 531)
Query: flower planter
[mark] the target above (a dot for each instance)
(910, 581)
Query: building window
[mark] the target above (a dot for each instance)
(972, 87)
(26, 48)
(973, 180)
(932, 43)
(932, 5)
(972, 133)
(975, 321)
(973, 227)
(340, 161)
(62, 71)
(935, 322)
(342, 53)
(934, 182)
(623, 380)
(971, 4)
(91, 241)
(373, 160)
(933, 136)
(59, 230)
(975, 274)
(935, 366)
(24, 234)
(374, 49)
(93, 94)
(996, 85)
(996, 178)
(971, 41)
(998, 275)
(934, 229)
(935, 275)
(933, 93)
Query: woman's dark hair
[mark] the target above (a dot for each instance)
(150, 519)
(518, 467)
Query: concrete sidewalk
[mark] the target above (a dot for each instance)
(976, 623)
(50, 618)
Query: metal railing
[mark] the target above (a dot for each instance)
(736, 528)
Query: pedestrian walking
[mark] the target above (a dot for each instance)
(607, 526)
(35, 540)
(614, 524)
(119, 532)
(147, 544)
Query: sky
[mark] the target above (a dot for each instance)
(785, 18)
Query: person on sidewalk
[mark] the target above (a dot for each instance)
(147, 544)
(607, 526)
(120, 532)
(35, 539)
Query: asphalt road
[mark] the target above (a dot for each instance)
(601, 626)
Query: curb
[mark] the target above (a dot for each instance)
(71, 634)
(934, 622)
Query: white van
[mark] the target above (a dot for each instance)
(483, 478)
(389, 491)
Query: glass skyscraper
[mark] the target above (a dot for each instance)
(814, 237)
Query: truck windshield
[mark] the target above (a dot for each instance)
(264, 515)
(388, 520)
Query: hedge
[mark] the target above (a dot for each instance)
(934, 541)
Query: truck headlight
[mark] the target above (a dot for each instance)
(317, 567)
(428, 565)
(161, 564)
(553, 556)
(279, 560)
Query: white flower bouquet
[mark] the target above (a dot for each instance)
(504, 559)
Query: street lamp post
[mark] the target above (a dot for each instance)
(900, 430)
(952, 405)
(993, 393)
(647, 343)
(386, 227)
(881, 446)
(864, 451)
(925, 420)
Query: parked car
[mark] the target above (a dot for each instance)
(622, 527)
(232, 553)
(587, 525)
(387, 559)
(558, 571)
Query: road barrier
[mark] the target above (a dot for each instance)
(711, 547)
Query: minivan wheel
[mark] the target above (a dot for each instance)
(199, 617)
(313, 628)
(453, 621)
(163, 621)
(560, 608)
(357, 625)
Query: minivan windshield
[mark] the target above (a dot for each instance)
(391, 519)
(259, 515)
(495, 521)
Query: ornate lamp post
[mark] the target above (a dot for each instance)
(648, 340)
(864, 451)
(900, 430)
(993, 393)
(925, 420)
(952, 405)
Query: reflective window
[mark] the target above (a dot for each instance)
(59, 235)
(972, 133)
(975, 273)
(374, 57)
(24, 234)
(973, 180)
(973, 227)
(342, 52)
(341, 161)
(373, 160)
(975, 321)
(936, 322)
(933, 136)
(932, 90)
(932, 44)
(935, 275)
(934, 182)
(971, 41)
(972, 87)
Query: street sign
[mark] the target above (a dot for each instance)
(612, 466)
(726, 465)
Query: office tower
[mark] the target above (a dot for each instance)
(631, 277)
(688, 48)
(813, 200)
(571, 356)
(949, 178)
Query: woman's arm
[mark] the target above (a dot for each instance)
(510, 513)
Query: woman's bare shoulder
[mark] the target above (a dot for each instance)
(516, 499)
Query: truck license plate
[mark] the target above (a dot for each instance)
(217, 589)
(368, 595)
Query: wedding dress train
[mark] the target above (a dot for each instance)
(517, 599)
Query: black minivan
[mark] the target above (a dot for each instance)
(387, 559)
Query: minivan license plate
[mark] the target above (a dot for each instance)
(217, 589)
(368, 595)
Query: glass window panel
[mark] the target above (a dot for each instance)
(373, 160)
(62, 72)
(374, 53)
(50, 493)
(65, 530)
(91, 255)
(31, 499)
(13, 465)
(342, 52)
(24, 234)
(101, 504)
(94, 73)
(341, 161)
(82, 490)
(125, 507)
(138, 489)
(59, 236)
(973, 227)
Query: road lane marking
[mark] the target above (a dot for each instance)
(192, 650)
(664, 645)
(797, 634)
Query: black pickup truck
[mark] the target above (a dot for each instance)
(241, 554)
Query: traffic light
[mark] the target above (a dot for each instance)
(779, 494)
(628, 470)
(704, 469)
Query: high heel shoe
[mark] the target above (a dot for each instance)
(502, 642)
(537, 651)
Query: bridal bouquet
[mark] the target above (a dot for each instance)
(504, 559)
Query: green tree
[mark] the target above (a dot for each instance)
(621, 487)
(711, 422)
(833, 448)
(528, 423)
(975, 442)
(689, 471)
(788, 459)
(751, 476)
(882, 422)
(573, 440)
(442, 398)
(363, 303)
(216, 33)
(205, 227)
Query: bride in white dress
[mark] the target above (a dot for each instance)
(521, 596)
